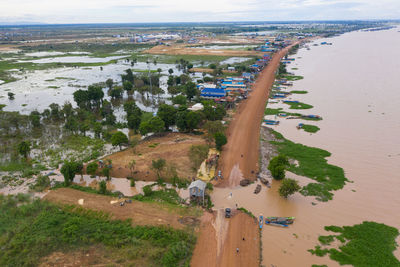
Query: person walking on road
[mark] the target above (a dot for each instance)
(237, 250)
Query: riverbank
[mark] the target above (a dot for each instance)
(239, 157)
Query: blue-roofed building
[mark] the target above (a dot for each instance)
(212, 93)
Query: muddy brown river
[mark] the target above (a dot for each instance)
(353, 85)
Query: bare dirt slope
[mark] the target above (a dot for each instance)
(206, 252)
(141, 213)
(174, 148)
(240, 155)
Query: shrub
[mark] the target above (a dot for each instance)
(103, 187)
(91, 168)
(147, 191)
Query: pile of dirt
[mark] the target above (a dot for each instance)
(173, 147)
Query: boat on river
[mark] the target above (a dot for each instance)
(280, 220)
(271, 122)
(261, 221)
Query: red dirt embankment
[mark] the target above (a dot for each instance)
(239, 157)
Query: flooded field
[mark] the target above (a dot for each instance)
(352, 85)
(73, 59)
(36, 90)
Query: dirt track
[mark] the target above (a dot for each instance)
(210, 252)
(240, 155)
(141, 213)
(182, 50)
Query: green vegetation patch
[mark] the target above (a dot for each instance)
(298, 105)
(366, 244)
(298, 92)
(293, 77)
(276, 111)
(312, 163)
(33, 230)
(310, 128)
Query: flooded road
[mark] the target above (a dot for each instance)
(353, 86)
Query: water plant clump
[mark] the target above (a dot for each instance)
(365, 244)
(312, 163)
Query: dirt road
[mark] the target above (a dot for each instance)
(141, 213)
(183, 50)
(219, 238)
(240, 155)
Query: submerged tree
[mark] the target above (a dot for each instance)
(288, 187)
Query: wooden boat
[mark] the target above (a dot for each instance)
(280, 220)
(258, 189)
(265, 181)
(276, 224)
(271, 122)
(261, 221)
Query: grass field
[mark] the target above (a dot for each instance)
(30, 231)
(312, 163)
(365, 244)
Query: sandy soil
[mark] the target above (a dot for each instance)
(174, 148)
(182, 50)
(240, 155)
(219, 238)
(141, 213)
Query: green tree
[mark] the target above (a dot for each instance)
(117, 92)
(11, 96)
(81, 98)
(191, 90)
(220, 140)
(97, 129)
(288, 187)
(110, 83)
(24, 148)
(277, 166)
(103, 187)
(192, 120)
(134, 121)
(147, 191)
(170, 71)
(158, 165)
(106, 172)
(179, 99)
(35, 119)
(168, 114)
(119, 138)
(128, 86)
(91, 168)
(68, 170)
(132, 165)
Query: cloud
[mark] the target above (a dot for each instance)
(96, 11)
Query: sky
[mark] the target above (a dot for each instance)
(130, 11)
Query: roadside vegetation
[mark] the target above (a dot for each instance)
(365, 244)
(313, 164)
(40, 228)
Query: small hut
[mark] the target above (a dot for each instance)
(197, 189)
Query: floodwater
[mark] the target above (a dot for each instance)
(73, 59)
(353, 86)
(36, 90)
(233, 60)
